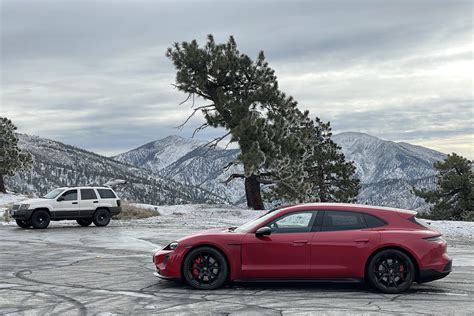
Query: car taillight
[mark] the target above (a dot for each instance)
(434, 238)
(118, 202)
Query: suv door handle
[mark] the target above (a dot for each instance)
(300, 242)
(74, 202)
(362, 240)
(95, 202)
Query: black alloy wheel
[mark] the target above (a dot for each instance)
(23, 223)
(205, 268)
(84, 221)
(40, 219)
(101, 217)
(391, 271)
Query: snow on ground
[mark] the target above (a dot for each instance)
(202, 216)
(7, 199)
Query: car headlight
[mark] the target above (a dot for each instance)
(24, 206)
(172, 246)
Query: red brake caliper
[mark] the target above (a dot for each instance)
(402, 269)
(195, 269)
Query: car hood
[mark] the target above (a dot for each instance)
(211, 231)
(32, 201)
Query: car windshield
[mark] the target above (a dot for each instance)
(53, 194)
(256, 221)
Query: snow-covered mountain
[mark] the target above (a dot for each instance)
(388, 170)
(57, 164)
(159, 154)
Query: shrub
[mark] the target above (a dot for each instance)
(130, 211)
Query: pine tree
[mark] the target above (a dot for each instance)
(12, 158)
(320, 171)
(244, 100)
(453, 197)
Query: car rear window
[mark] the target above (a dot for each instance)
(106, 194)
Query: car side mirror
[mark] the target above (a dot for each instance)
(60, 199)
(263, 231)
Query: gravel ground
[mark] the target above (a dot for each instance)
(68, 269)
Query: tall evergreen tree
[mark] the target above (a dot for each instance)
(244, 100)
(12, 158)
(453, 197)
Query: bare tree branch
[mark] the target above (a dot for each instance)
(180, 126)
(200, 128)
(182, 102)
(234, 176)
(230, 164)
(213, 143)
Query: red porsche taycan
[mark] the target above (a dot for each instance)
(386, 247)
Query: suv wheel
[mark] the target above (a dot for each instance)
(23, 223)
(84, 221)
(101, 217)
(40, 219)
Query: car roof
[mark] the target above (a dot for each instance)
(85, 187)
(349, 206)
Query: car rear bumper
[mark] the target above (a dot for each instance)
(115, 210)
(427, 275)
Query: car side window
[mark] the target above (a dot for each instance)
(106, 194)
(70, 195)
(298, 222)
(88, 194)
(373, 221)
(341, 220)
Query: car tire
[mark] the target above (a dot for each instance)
(101, 217)
(40, 219)
(23, 223)
(84, 221)
(391, 271)
(205, 268)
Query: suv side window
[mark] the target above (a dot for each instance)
(106, 194)
(70, 195)
(298, 222)
(341, 220)
(88, 194)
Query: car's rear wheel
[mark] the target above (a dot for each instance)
(391, 271)
(101, 217)
(23, 223)
(40, 219)
(84, 221)
(205, 268)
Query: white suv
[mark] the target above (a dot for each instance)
(84, 204)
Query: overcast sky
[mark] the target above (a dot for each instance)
(94, 73)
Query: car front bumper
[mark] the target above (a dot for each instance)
(21, 214)
(168, 264)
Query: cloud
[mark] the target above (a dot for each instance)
(399, 70)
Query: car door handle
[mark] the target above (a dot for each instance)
(362, 240)
(74, 202)
(300, 242)
(95, 202)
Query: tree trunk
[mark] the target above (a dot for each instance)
(252, 192)
(2, 184)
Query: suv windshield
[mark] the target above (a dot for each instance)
(53, 194)
(255, 222)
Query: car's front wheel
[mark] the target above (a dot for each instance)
(101, 217)
(391, 271)
(205, 268)
(23, 223)
(40, 219)
(84, 221)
